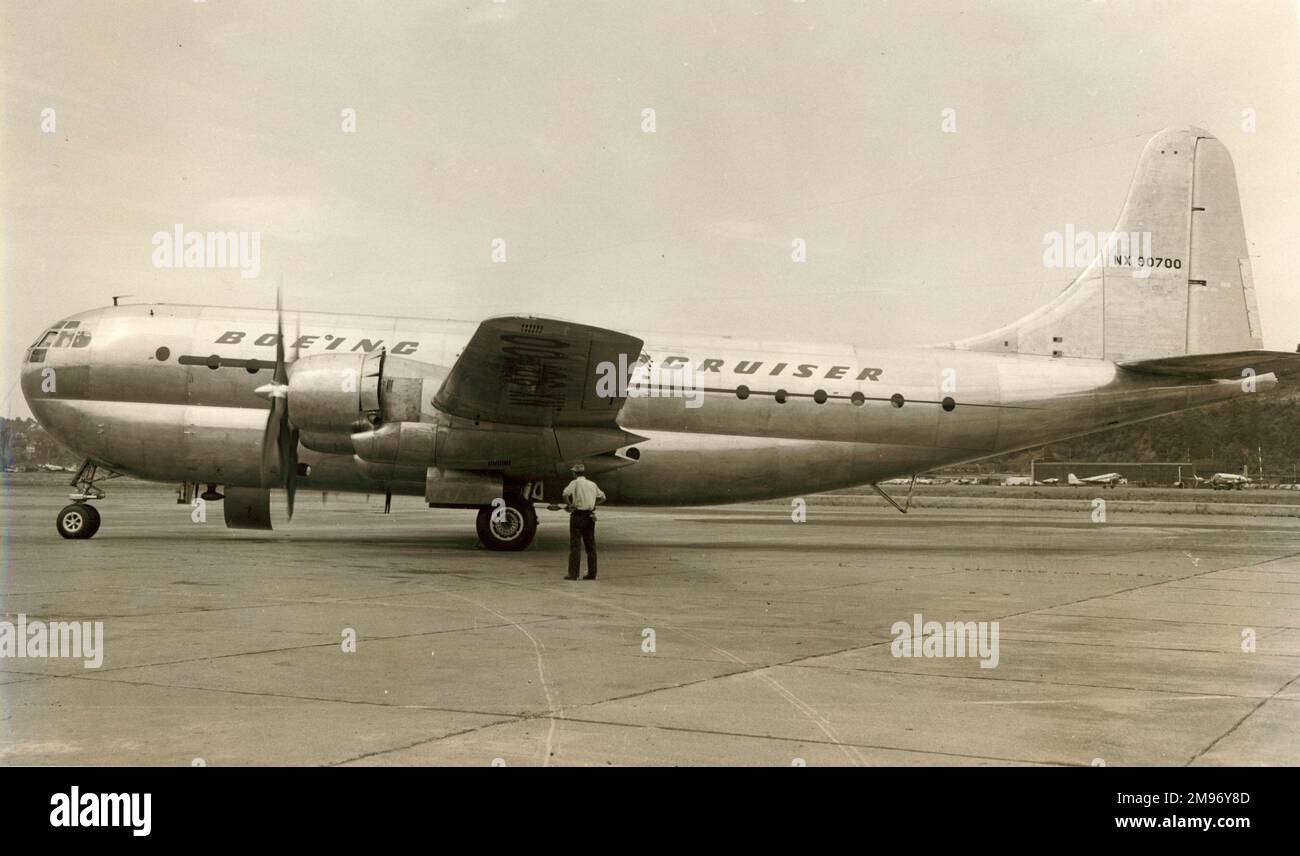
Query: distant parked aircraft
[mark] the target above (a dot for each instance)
(1105, 479)
(1228, 481)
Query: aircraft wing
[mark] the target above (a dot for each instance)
(1226, 366)
(540, 372)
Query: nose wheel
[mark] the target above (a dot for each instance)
(78, 521)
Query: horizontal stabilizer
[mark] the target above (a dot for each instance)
(1229, 366)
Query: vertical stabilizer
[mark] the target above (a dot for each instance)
(1172, 278)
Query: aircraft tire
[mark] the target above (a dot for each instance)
(515, 527)
(78, 521)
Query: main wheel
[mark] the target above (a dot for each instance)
(79, 520)
(514, 525)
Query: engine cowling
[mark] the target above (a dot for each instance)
(333, 396)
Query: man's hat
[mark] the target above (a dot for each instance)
(578, 469)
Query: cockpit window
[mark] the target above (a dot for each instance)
(62, 336)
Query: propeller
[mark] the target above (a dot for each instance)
(280, 438)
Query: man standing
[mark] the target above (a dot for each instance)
(580, 497)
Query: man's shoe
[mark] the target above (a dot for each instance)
(589, 577)
(571, 577)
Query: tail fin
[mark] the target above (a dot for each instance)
(1172, 278)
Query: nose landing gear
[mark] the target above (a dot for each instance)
(81, 520)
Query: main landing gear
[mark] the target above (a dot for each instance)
(81, 520)
(510, 524)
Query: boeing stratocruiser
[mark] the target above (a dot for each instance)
(490, 416)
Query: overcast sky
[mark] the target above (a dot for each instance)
(523, 121)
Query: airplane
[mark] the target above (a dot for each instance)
(1228, 481)
(490, 416)
(1105, 479)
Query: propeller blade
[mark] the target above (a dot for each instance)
(281, 374)
(271, 440)
(280, 438)
(289, 459)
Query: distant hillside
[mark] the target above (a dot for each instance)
(25, 444)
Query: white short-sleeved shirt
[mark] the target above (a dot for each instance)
(583, 495)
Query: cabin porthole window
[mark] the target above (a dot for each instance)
(897, 399)
(781, 396)
(949, 404)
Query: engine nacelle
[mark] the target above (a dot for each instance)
(461, 444)
(404, 443)
(333, 396)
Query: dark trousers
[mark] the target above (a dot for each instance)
(582, 532)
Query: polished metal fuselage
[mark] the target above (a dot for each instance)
(138, 395)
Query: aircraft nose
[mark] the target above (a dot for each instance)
(57, 364)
